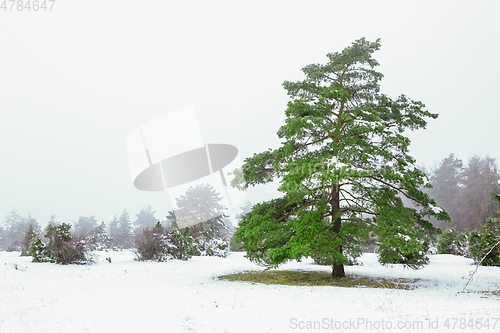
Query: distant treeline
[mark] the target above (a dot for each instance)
(17, 229)
(464, 190)
(121, 233)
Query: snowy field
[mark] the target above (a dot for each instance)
(175, 296)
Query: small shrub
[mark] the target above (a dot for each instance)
(452, 242)
(28, 236)
(98, 240)
(481, 241)
(36, 249)
(72, 252)
(183, 244)
(62, 247)
(213, 247)
(151, 245)
(462, 244)
(161, 244)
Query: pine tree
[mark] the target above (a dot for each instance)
(484, 244)
(201, 205)
(481, 177)
(121, 231)
(33, 231)
(16, 227)
(85, 225)
(99, 238)
(447, 183)
(343, 166)
(113, 230)
(145, 219)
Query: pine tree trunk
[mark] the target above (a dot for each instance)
(338, 268)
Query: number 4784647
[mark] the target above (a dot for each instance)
(26, 5)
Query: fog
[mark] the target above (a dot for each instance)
(77, 80)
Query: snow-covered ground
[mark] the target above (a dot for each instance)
(176, 296)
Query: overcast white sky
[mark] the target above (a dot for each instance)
(76, 81)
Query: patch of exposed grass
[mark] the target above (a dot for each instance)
(489, 293)
(315, 278)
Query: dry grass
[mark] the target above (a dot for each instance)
(488, 294)
(315, 278)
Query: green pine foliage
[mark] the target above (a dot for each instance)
(453, 242)
(161, 244)
(98, 239)
(483, 240)
(484, 244)
(344, 167)
(36, 250)
(447, 242)
(31, 233)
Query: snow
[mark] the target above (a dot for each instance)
(186, 296)
(405, 237)
(435, 209)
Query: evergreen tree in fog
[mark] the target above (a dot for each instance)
(464, 191)
(85, 225)
(15, 229)
(201, 204)
(145, 219)
(446, 181)
(121, 231)
(480, 178)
